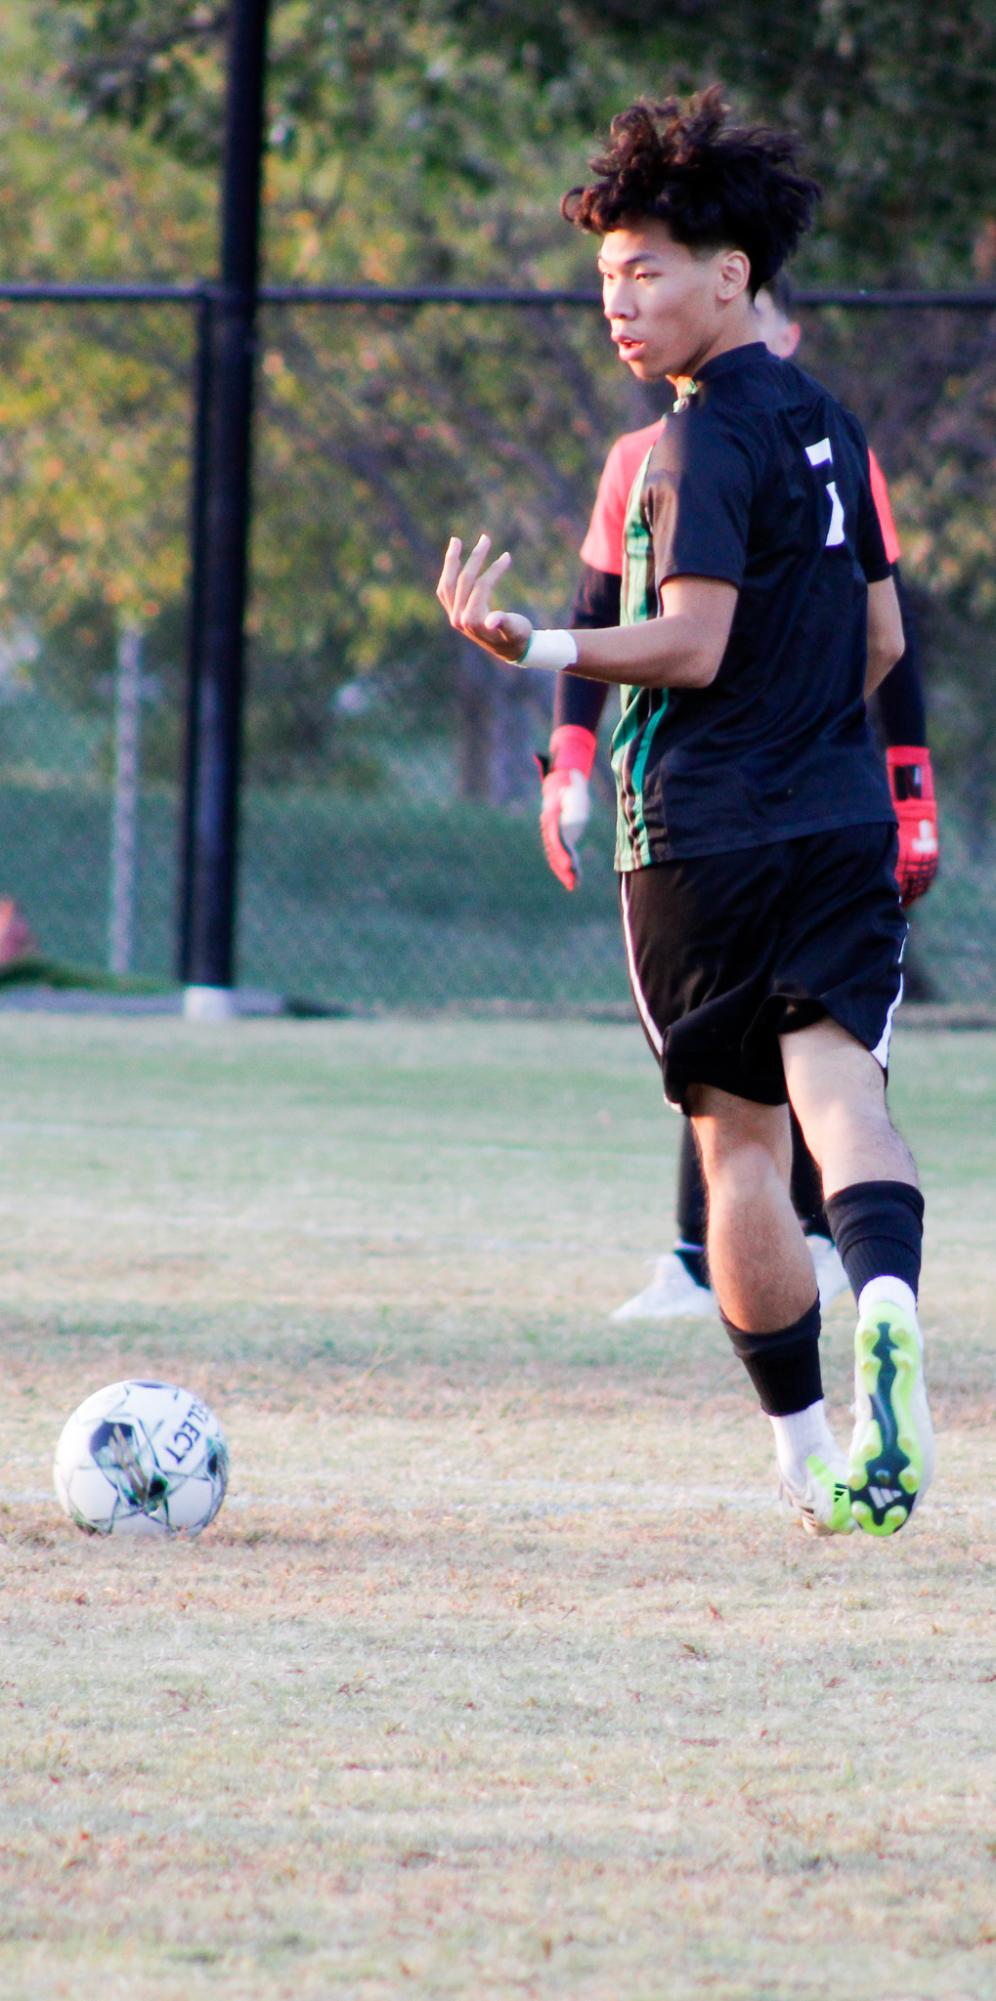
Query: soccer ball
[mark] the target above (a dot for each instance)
(141, 1459)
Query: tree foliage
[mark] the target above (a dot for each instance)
(94, 404)
(430, 141)
(487, 104)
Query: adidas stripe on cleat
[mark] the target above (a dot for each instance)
(822, 1506)
(892, 1450)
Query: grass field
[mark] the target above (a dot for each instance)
(499, 1673)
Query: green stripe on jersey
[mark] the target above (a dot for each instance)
(642, 709)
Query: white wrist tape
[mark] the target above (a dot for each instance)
(554, 648)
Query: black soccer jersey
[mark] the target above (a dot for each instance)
(760, 481)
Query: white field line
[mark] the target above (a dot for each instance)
(527, 1500)
(530, 1500)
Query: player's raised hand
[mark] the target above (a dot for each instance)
(464, 591)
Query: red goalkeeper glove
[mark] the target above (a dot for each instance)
(564, 815)
(911, 782)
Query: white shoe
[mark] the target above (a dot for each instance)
(831, 1278)
(821, 1500)
(671, 1295)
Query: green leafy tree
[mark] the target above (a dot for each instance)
(94, 404)
(430, 141)
(478, 112)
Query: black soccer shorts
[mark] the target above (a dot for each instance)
(728, 952)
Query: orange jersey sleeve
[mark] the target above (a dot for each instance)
(883, 508)
(602, 545)
(602, 548)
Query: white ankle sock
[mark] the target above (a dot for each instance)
(799, 1434)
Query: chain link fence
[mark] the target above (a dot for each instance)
(389, 847)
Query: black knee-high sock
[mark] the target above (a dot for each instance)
(807, 1188)
(878, 1229)
(691, 1190)
(691, 1211)
(784, 1367)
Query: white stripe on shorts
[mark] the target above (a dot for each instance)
(642, 1008)
(881, 1049)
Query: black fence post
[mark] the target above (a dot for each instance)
(222, 511)
(195, 622)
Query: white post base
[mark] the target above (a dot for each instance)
(208, 1003)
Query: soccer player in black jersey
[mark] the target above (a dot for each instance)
(756, 839)
(679, 1285)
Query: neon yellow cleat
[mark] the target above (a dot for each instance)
(823, 1505)
(892, 1450)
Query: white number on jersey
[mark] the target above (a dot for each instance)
(822, 455)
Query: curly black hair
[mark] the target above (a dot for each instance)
(717, 185)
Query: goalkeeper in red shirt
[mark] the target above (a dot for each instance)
(680, 1283)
